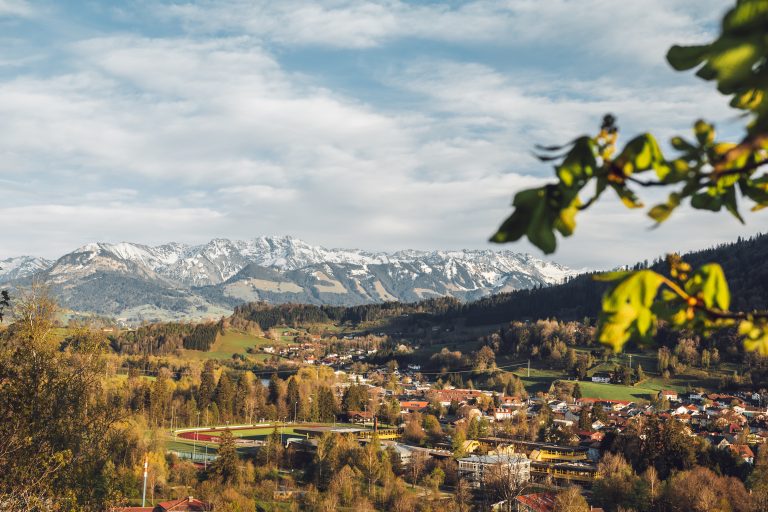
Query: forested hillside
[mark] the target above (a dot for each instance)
(267, 315)
(164, 338)
(745, 263)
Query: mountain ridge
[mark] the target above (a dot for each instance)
(177, 280)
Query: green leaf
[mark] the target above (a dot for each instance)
(674, 171)
(755, 336)
(708, 200)
(708, 283)
(756, 190)
(682, 58)
(535, 213)
(566, 222)
(642, 152)
(579, 164)
(661, 212)
(627, 310)
(540, 228)
(744, 15)
(749, 100)
(705, 132)
(681, 144)
(730, 203)
(735, 61)
(626, 195)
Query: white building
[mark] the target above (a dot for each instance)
(478, 470)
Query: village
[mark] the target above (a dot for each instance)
(539, 444)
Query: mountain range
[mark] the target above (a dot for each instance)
(137, 282)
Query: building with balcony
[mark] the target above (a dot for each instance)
(479, 470)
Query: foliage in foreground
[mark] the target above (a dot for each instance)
(708, 173)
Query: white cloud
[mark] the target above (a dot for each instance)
(636, 29)
(212, 134)
(54, 229)
(15, 8)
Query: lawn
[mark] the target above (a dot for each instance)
(616, 391)
(233, 342)
(539, 380)
(254, 433)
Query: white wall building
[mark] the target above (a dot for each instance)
(477, 470)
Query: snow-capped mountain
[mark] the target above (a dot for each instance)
(21, 267)
(133, 279)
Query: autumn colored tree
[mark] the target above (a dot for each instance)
(570, 499)
(56, 422)
(701, 490)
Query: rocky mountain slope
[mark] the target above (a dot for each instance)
(135, 281)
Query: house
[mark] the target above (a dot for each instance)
(558, 406)
(360, 416)
(476, 469)
(413, 406)
(460, 396)
(744, 452)
(503, 414)
(603, 378)
(540, 502)
(668, 394)
(536, 502)
(188, 504)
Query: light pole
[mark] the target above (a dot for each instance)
(144, 491)
(194, 441)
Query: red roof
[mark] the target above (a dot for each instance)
(414, 404)
(742, 450)
(538, 502)
(188, 504)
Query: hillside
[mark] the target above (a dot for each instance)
(745, 263)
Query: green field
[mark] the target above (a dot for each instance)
(538, 380)
(233, 342)
(255, 433)
(541, 380)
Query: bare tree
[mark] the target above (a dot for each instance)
(506, 480)
(416, 466)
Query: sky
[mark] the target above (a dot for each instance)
(378, 125)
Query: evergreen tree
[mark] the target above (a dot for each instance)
(225, 396)
(326, 404)
(224, 468)
(275, 393)
(585, 419)
(292, 397)
(207, 385)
